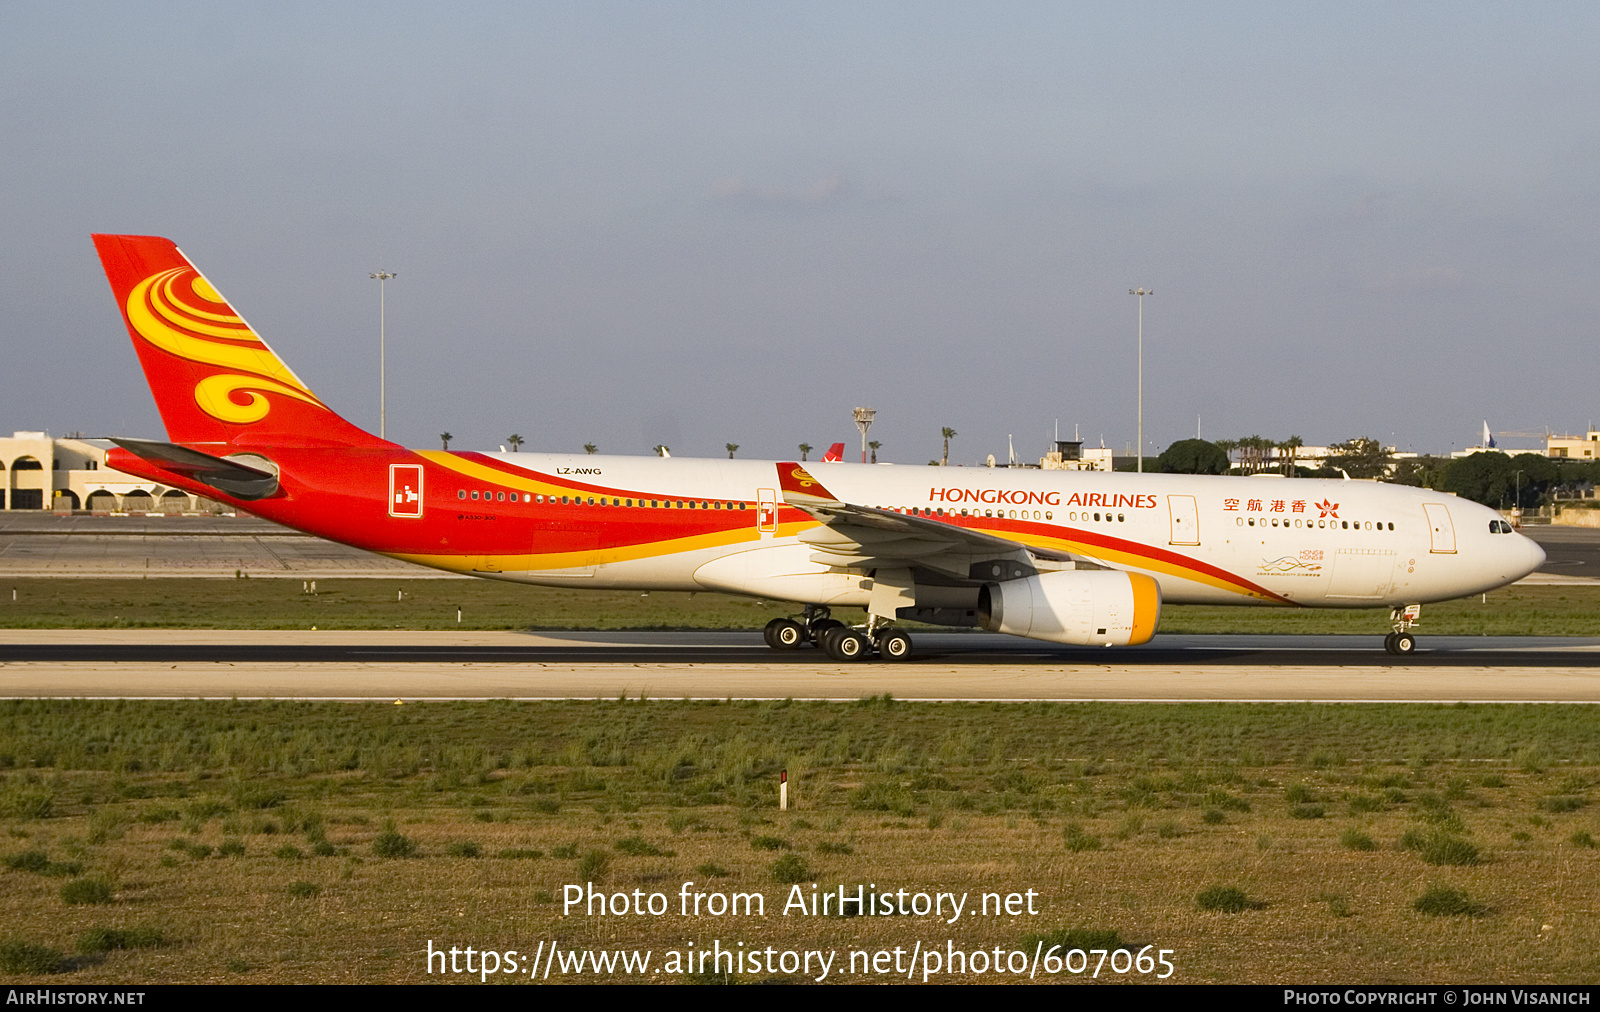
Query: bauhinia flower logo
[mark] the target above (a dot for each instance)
(1329, 509)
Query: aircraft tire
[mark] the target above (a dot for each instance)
(828, 640)
(785, 634)
(1388, 643)
(848, 645)
(1405, 644)
(894, 645)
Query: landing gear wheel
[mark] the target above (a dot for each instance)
(851, 646)
(784, 634)
(1388, 643)
(846, 645)
(894, 645)
(824, 638)
(1405, 645)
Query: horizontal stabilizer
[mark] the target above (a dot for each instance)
(237, 479)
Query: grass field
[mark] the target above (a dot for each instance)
(188, 841)
(433, 604)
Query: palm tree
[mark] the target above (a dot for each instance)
(875, 444)
(516, 442)
(1227, 446)
(445, 437)
(805, 448)
(1291, 444)
(731, 447)
(948, 434)
(1252, 453)
(590, 448)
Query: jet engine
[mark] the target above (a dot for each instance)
(1085, 607)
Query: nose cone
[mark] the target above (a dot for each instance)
(1535, 554)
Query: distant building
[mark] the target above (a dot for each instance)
(1069, 455)
(1585, 447)
(69, 475)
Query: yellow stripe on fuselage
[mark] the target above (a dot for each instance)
(534, 562)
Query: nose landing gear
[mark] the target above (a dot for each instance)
(1401, 643)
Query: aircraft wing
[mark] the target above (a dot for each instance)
(855, 536)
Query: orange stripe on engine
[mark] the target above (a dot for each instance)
(1146, 608)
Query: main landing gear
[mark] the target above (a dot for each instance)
(1401, 643)
(839, 641)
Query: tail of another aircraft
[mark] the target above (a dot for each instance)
(215, 382)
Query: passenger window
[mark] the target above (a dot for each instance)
(461, 493)
(500, 496)
(474, 493)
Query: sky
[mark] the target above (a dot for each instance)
(631, 224)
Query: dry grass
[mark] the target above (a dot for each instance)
(189, 816)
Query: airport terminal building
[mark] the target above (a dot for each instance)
(38, 472)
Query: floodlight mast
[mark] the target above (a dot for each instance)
(864, 418)
(1139, 453)
(382, 276)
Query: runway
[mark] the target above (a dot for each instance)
(414, 666)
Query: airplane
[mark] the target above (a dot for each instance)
(1069, 557)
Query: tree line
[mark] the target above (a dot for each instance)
(1493, 478)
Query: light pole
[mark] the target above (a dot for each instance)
(864, 418)
(1141, 293)
(383, 383)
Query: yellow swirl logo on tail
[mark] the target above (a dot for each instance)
(182, 314)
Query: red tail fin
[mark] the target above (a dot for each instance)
(799, 487)
(835, 454)
(215, 382)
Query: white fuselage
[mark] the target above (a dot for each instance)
(1204, 539)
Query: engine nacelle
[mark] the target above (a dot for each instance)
(1085, 607)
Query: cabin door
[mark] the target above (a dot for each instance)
(1184, 519)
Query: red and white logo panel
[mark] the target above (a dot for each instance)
(405, 490)
(767, 510)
